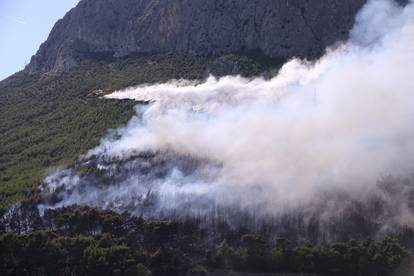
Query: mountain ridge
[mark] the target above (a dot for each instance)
(277, 29)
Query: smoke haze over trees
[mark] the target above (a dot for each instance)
(307, 168)
(327, 135)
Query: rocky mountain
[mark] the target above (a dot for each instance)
(121, 28)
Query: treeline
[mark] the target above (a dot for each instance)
(87, 241)
(345, 258)
(46, 253)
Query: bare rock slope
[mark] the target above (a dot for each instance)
(121, 28)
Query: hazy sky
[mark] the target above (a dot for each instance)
(24, 25)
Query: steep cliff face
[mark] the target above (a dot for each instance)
(120, 28)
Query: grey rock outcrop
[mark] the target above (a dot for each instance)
(223, 66)
(121, 28)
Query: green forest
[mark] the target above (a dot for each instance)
(87, 241)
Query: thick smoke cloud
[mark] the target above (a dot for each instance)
(315, 131)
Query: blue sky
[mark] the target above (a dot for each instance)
(24, 25)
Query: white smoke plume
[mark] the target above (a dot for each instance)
(338, 124)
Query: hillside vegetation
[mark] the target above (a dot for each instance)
(87, 241)
(47, 120)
